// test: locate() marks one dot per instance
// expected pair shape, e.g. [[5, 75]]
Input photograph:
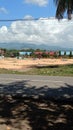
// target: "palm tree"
[[62, 6]]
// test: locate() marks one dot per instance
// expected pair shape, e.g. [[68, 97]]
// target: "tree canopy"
[[62, 7]]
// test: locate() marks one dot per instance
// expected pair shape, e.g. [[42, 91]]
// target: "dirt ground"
[[20, 64]]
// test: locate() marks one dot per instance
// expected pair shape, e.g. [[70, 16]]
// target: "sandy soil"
[[20, 64]]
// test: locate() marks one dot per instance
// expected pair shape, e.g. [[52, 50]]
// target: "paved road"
[[36, 85], [38, 81]]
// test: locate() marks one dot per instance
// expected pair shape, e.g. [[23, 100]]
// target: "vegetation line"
[[59, 70]]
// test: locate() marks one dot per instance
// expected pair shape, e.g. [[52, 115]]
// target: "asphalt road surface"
[[34, 88], [35, 80], [36, 85]]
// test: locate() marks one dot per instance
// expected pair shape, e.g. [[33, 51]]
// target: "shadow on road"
[[32, 108]]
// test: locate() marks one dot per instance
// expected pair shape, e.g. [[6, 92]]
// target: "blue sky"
[[10, 9], [46, 31]]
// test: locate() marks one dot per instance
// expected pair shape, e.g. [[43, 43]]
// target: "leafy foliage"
[[62, 6]]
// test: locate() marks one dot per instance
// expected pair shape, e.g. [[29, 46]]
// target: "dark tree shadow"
[[32, 108]]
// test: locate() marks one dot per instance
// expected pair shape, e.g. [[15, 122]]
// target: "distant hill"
[[33, 46]]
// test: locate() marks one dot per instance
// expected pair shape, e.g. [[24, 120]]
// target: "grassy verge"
[[61, 70], [58, 70]]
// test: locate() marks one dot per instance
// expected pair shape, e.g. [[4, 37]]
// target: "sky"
[[47, 29]]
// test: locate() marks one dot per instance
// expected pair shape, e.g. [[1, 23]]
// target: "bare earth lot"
[[24, 64]]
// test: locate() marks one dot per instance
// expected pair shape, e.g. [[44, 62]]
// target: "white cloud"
[[44, 30], [3, 10], [3, 29], [37, 2]]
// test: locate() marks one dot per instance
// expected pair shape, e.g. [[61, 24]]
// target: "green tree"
[[44, 55], [62, 7], [59, 53], [70, 54], [65, 53]]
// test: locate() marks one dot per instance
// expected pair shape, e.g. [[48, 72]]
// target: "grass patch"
[[6, 71], [61, 70]]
